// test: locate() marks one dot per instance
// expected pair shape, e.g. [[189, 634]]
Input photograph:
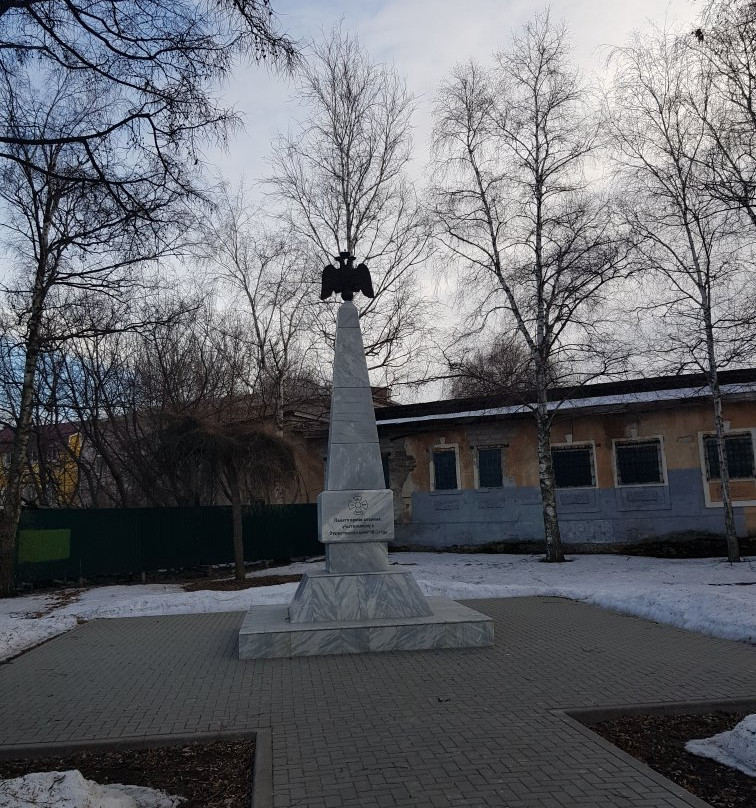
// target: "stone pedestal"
[[356, 603], [323, 596], [267, 633]]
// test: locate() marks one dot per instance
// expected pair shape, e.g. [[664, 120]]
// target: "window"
[[385, 464], [739, 452], [444, 469], [489, 468], [573, 466], [639, 463]]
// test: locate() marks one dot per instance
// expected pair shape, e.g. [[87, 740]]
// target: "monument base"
[[267, 632], [324, 596]]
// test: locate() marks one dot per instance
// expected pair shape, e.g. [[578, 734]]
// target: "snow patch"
[[707, 595], [16, 635], [735, 748], [71, 790]]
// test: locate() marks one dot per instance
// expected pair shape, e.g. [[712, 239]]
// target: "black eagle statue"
[[346, 279]]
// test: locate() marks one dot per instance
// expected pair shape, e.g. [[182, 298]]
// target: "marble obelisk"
[[356, 511], [356, 603]]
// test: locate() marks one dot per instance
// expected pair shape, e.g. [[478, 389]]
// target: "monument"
[[356, 602]]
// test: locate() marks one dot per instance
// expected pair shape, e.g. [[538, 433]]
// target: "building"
[[51, 472], [634, 464]]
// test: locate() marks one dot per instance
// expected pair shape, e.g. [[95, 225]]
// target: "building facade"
[[634, 464]]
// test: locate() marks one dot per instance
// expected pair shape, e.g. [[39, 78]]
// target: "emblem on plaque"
[[358, 505]]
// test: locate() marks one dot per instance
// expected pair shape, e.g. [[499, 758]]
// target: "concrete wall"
[[605, 514]]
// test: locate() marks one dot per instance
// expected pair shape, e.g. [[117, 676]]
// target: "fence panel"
[[72, 543], [280, 532]]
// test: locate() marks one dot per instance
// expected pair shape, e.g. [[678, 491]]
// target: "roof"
[[603, 394], [48, 433]]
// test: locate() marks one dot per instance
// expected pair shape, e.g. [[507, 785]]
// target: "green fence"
[[71, 543]]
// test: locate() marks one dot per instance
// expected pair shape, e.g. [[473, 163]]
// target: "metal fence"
[[71, 543]]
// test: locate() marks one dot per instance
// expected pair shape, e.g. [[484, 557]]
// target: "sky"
[[424, 39]]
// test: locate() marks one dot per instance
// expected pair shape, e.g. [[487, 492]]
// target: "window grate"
[[639, 463], [490, 474], [739, 452], [573, 467], [445, 469]]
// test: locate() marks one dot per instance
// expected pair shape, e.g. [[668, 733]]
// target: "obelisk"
[[356, 603], [356, 510]]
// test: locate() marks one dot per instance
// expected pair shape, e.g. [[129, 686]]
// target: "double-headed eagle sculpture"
[[346, 279]]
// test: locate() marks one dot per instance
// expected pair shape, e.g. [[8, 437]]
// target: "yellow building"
[[634, 463]]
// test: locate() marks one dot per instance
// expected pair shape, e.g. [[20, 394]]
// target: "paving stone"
[[429, 729]]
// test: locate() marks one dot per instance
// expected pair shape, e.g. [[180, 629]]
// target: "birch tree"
[[536, 248], [723, 95], [687, 236], [340, 178], [71, 239], [159, 63]]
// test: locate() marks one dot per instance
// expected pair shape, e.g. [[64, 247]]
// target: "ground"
[[659, 741], [476, 728], [206, 775]]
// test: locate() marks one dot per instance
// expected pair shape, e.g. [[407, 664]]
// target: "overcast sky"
[[424, 39]]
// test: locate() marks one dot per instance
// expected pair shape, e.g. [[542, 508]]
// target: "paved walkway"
[[422, 729]]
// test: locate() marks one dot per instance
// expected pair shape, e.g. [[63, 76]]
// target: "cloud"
[[424, 39]]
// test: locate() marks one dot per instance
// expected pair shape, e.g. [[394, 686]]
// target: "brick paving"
[[431, 729]]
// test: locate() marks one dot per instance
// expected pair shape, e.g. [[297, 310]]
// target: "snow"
[[19, 630], [710, 596], [735, 748], [71, 790]]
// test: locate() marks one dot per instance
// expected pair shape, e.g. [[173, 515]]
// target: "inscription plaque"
[[358, 516]]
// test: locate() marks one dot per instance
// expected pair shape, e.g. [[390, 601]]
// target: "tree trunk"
[[238, 528], [554, 551], [733, 547], [236, 515], [14, 481], [279, 404]]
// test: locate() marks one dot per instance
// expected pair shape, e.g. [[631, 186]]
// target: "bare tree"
[[537, 249], [127, 390], [73, 242], [721, 92], [341, 180], [240, 460], [185, 361], [685, 235], [501, 368], [267, 284], [158, 63]]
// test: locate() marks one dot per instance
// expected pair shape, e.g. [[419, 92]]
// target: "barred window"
[[490, 474], [444, 469], [739, 452], [573, 466], [639, 463]]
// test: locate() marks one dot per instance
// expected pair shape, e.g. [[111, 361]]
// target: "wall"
[[606, 514]]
